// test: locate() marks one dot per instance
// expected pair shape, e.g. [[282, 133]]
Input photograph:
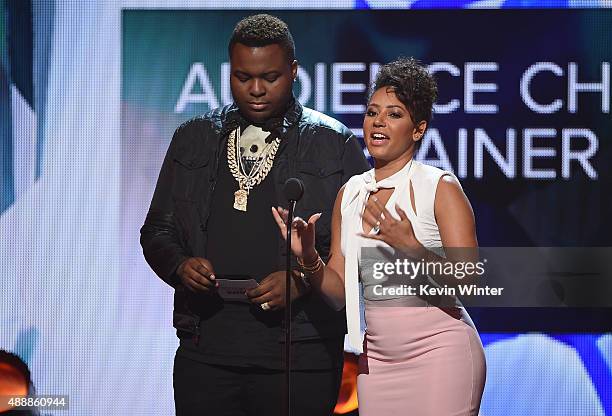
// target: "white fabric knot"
[[371, 187], [356, 199]]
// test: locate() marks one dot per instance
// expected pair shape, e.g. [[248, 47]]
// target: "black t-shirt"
[[244, 245]]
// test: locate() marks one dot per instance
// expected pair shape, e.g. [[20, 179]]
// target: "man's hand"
[[197, 274], [272, 290]]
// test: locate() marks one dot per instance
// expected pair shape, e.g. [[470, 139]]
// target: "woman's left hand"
[[398, 234], [302, 232]]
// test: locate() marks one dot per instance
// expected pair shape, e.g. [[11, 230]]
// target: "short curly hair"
[[413, 85], [263, 30]]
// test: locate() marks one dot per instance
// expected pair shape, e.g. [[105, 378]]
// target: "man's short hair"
[[263, 30]]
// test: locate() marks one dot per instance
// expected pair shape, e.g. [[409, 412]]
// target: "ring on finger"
[[265, 306], [376, 228]]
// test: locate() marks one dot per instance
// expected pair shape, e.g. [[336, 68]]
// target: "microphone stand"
[[288, 313]]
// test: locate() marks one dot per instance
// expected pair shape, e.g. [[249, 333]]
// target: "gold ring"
[[265, 306]]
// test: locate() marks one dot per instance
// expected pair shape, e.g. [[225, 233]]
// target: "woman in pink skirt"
[[416, 358]]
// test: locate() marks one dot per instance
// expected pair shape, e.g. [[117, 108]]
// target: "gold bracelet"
[[308, 266], [309, 273], [312, 268]]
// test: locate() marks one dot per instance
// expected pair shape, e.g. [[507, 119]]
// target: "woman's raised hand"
[[396, 233], [302, 232]]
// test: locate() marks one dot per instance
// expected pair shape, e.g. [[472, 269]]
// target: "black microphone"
[[294, 189]]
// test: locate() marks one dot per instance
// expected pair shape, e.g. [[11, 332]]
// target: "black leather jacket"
[[319, 150]]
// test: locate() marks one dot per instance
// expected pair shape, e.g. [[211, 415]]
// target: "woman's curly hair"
[[413, 85]]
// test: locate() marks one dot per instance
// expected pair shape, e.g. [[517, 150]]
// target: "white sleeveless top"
[[424, 180]]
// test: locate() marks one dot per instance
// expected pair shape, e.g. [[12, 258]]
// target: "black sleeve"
[[354, 162], [353, 159], [160, 236]]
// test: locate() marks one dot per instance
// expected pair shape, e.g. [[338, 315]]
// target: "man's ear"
[[294, 69]]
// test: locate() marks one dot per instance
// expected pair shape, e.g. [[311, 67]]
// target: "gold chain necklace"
[[258, 172]]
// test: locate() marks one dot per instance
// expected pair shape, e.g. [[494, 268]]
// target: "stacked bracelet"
[[313, 267]]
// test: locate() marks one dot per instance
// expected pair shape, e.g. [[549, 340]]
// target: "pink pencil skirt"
[[420, 361]]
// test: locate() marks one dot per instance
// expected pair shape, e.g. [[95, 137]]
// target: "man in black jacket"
[[210, 220]]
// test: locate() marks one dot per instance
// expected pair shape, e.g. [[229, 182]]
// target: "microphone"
[[294, 189]]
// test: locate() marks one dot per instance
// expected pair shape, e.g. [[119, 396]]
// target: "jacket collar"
[[292, 115]]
